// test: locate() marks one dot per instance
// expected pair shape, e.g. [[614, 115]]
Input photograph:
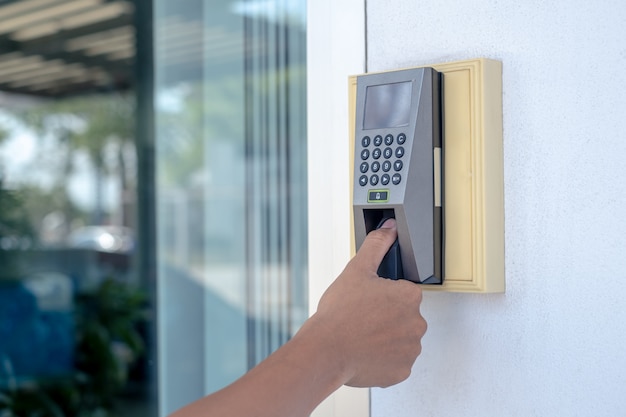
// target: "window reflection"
[[231, 186], [75, 312]]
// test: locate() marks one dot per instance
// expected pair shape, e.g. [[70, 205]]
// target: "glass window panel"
[[75, 309], [231, 186]]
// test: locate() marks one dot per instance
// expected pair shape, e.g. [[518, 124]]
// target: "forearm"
[[290, 383]]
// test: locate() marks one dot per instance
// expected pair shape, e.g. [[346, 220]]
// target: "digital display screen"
[[387, 105]]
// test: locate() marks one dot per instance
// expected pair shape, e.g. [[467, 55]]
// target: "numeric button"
[[374, 179], [375, 166], [376, 153], [388, 153], [388, 140], [378, 140], [365, 154], [365, 141], [364, 167]]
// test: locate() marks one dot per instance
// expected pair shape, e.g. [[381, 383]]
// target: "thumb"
[[376, 244]]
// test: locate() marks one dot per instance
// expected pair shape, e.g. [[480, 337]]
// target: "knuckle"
[[417, 294], [378, 237], [418, 349], [423, 326], [404, 374]]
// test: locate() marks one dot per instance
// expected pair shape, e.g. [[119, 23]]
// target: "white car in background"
[[114, 239]]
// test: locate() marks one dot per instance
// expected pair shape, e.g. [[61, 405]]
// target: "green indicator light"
[[377, 196]]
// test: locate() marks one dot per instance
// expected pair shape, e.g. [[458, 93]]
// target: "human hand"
[[366, 332], [374, 324]]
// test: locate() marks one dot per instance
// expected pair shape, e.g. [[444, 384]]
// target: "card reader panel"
[[398, 169]]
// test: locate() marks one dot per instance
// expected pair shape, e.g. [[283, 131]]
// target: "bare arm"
[[366, 332]]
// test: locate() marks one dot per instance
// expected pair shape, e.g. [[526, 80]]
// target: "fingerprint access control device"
[[398, 169]]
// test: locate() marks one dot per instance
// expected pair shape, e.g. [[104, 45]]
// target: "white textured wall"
[[555, 343]]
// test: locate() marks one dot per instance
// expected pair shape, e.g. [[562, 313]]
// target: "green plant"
[[14, 228], [107, 343]]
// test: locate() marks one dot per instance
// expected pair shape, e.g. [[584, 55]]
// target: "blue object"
[[34, 342]]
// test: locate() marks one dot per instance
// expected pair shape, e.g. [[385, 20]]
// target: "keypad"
[[382, 153]]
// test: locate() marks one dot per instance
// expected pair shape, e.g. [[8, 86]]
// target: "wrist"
[[326, 344]]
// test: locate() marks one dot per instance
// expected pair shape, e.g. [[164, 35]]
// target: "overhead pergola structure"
[[57, 48]]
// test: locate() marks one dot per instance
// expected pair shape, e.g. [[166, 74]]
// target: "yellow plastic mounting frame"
[[473, 175]]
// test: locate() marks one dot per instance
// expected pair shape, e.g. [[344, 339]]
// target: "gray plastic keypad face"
[[397, 129], [381, 164]]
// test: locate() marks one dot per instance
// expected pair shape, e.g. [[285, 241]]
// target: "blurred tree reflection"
[[16, 230], [98, 127]]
